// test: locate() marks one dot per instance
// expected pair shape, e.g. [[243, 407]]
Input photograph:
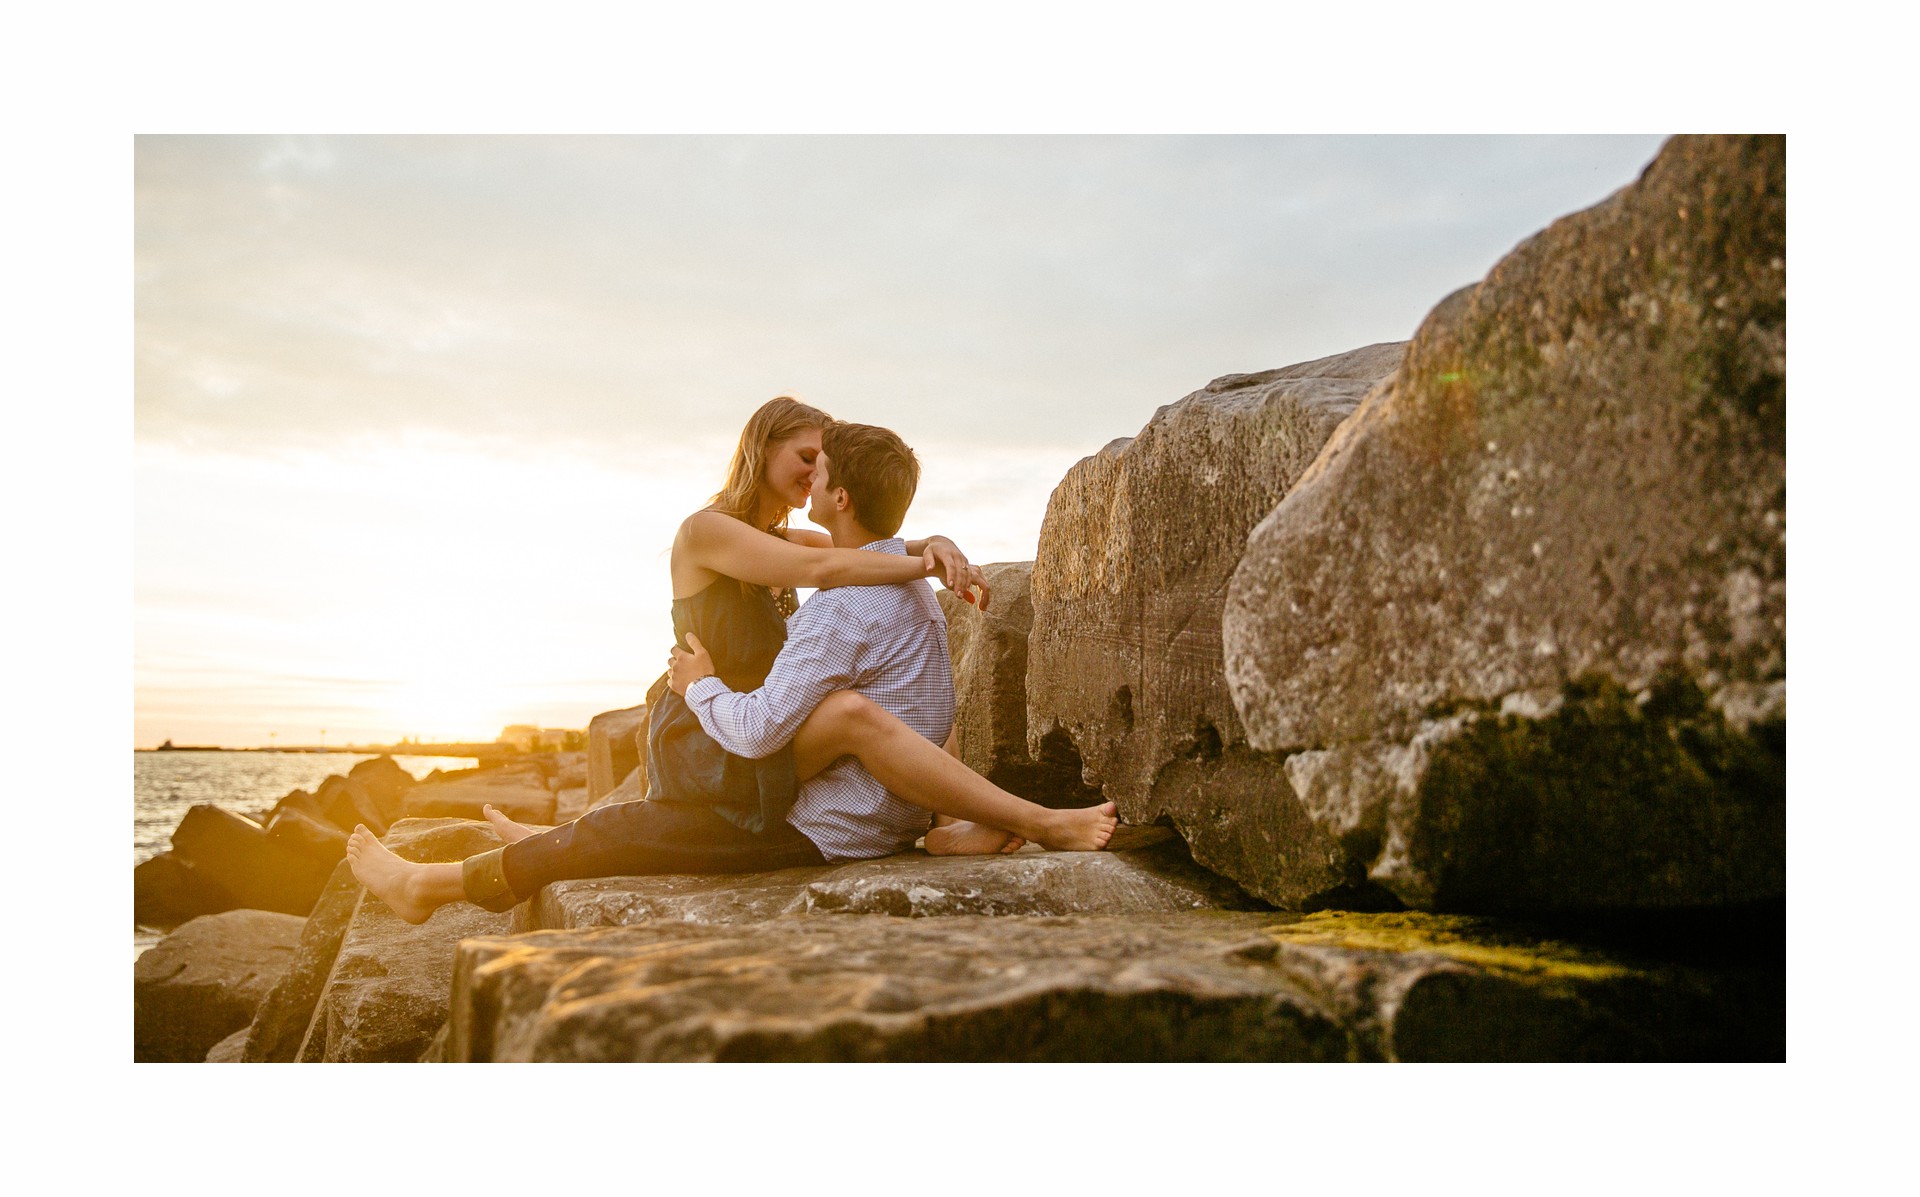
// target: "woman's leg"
[[916, 770], [625, 839], [414, 891]]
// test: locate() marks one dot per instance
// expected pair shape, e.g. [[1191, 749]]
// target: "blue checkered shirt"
[[886, 642]]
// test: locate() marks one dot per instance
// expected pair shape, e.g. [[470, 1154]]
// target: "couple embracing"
[[774, 741]]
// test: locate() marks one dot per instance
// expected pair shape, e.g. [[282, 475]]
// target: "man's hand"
[[685, 668]]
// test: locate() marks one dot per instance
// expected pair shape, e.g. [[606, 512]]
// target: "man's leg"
[[912, 768], [957, 837]]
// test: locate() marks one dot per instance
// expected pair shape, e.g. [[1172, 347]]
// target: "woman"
[[734, 567]]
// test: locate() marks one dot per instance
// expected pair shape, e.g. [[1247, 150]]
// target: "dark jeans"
[[632, 838]]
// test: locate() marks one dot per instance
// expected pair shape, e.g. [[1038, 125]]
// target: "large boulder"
[[280, 1024], [255, 871], [1147, 871], [616, 740], [230, 1050], [1521, 630], [989, 653], [1204, 985], [167, 892], [1125, 655], [387, 783], [519, 793], [632, 788], [306, 833], [569, 803], [202, 983], [345, 802], [385, 995]]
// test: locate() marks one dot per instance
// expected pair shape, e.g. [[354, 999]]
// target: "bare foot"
[[970, 839], [1086, 829], [509, 831], [386, 876]]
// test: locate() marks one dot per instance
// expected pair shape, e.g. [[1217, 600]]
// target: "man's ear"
[[842, 501]]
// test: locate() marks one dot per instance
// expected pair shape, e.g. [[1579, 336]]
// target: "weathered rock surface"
[[616, 740], [1198, 986], [632, 788], [346, 803], [570, 803], [519, 793], [1521, 629], [167, 892], [307, 834], [570, 770], [385, 996], [1125, 657], [387, 783], [1149, 872], [236, 857], [281, 1022], [203, 982], [229, 1050], [989, 653]]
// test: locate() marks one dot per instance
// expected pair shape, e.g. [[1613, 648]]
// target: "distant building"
[[524, 737]]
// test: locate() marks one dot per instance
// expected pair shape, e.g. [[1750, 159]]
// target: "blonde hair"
[[777, 420]]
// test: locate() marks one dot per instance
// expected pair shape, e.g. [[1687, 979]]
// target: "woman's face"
[[789, 470]]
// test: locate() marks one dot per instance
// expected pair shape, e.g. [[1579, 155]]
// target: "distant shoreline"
[[356, 749]]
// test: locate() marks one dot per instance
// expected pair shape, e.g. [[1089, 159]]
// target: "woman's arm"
[[724, 545], [820, 540]]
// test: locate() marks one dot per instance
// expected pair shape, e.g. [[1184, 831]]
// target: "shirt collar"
[[890, 544]]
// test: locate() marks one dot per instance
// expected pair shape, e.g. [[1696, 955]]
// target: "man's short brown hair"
[[877, 470]]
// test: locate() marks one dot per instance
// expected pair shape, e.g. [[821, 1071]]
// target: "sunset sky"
[[415, 418]]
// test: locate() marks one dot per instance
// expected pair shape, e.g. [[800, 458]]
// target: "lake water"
[[166, 784]]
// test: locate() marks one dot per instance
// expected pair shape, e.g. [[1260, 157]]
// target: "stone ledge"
[[1194, 986], [1149, 872]]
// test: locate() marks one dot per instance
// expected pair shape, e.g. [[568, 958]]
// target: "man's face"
[[820, 508]]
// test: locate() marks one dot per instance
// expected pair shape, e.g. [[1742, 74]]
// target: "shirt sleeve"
[[822, 654]]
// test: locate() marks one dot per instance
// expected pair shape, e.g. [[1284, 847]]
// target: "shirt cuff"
[[706, 689]]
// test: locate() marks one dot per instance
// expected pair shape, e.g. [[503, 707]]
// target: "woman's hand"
[[975, 579], [944, 560], [685, 668]]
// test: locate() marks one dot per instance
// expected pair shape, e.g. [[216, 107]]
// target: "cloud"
[[621, 290]]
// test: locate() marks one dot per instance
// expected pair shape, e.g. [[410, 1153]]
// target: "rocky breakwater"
[[1132, 954], [1520, 632], [278, 861], [281, 858], [1125, 657]]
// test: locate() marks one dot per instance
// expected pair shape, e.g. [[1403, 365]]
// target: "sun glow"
[[427, 590]]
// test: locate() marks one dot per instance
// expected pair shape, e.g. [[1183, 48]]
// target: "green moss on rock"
[[1511, 810], [1480, 942]]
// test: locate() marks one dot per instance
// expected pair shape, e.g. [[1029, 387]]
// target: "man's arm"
[[821, 655]]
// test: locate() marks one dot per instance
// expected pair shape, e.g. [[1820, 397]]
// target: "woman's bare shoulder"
[[708, 522]]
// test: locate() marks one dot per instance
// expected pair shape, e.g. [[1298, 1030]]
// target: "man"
[[888, 643], [869, 661]]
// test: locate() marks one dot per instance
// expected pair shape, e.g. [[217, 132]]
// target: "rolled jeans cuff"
[[484, 878]]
